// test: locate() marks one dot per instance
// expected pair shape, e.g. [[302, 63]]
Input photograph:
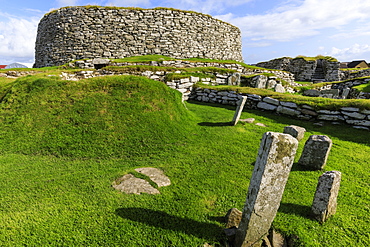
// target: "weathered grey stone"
[[234, 79], [325, 200], [276, 239], [345, 93], [350, 109], [96, 61], [238, 111], [330, 117], [270, 100], [274, 161], [248, 120], [355, 115], [308, 107], [288, 104], [311, 93], [261, 124], [132, 185], [156, 175], [295, 131], [287, 111], [367, 112], [309, 112], [315, 152], [359, 122], [266, 106], [334, 92], [327, 112], [260, 81], [361, 127], [233, 217], [279, 88]]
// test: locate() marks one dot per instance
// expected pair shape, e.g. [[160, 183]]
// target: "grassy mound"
[[100, 117]]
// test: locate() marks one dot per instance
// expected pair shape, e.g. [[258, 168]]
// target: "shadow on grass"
[[295, 209], [298, 167], [215, 124], [166, 221]]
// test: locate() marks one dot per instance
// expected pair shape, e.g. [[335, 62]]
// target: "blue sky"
[[270, 28]]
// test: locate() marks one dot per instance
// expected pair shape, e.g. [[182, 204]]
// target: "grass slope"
[[67, 199], [91, 118]]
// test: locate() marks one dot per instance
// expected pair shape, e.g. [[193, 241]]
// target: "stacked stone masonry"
[[74, 33], [341, 90], [359, 119], [184, 85], [311, 70]]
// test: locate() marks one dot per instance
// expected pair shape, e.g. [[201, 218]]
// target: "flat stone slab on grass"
[[156, 175], [247, 120], [130, 184], [133, 185]]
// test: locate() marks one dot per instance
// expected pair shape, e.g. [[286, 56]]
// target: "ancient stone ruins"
[[274, 161], [275, 158], [89, 32], [325, 201]]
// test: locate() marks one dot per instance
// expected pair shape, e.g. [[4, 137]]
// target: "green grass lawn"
[[64, 143]]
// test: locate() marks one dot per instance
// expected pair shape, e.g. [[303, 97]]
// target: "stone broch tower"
[[73, 33]]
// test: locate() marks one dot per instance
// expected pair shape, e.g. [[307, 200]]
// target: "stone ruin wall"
[[304, 70], [74, 33]]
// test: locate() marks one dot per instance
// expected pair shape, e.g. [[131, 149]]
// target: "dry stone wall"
[[74, 33], [359, 119]]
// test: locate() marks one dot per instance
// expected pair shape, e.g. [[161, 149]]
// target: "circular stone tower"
[[87, 32]]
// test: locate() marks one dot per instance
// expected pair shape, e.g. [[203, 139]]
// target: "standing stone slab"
[[239, 110], [325, 201], [274, 161], [315, 152], [295, 131]]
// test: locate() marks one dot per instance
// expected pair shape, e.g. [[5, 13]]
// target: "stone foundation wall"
[[74, 33], [359, 119]]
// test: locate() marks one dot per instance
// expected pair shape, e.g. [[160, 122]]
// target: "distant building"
[[15, 66], [359, 64], [2, 66]]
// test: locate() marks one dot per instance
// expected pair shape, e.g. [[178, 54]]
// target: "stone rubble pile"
[[341, 90]]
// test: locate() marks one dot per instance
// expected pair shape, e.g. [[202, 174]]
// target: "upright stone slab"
[[239, 110], [295, 131], [325, 201], [315, 152], [274, 161]]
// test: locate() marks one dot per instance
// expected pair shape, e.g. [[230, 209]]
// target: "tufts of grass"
[[363, 88], [328, 58]]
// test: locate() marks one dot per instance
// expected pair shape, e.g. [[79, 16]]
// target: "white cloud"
[[353, 52], [17, 39], [294, 21]]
